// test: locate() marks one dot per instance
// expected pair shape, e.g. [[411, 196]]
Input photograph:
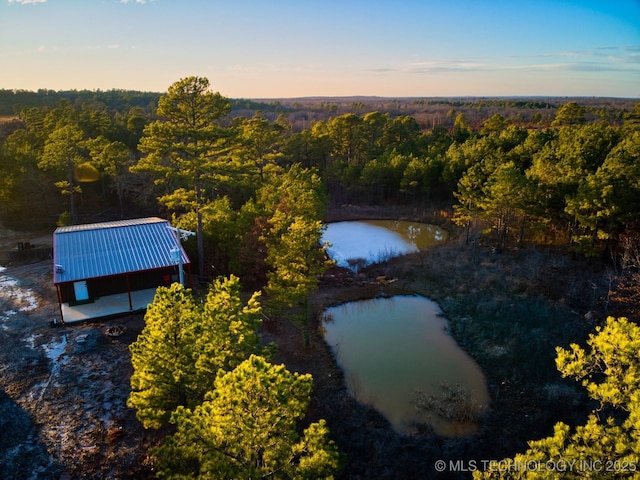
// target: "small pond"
[[375, 241], [398, 357]]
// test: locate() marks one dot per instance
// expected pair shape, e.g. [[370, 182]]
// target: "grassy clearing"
[[509, 311]]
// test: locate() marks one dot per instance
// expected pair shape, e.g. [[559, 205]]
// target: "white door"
[[81, 291]]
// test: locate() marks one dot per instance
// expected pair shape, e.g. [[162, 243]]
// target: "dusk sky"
[[277, 49]]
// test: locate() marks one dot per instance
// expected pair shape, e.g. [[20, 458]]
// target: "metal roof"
[[112, 248]]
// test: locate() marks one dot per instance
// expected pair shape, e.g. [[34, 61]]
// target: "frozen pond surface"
[[396, 351], [378, 240]]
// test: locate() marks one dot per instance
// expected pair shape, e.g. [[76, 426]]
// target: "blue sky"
[[287, 48]]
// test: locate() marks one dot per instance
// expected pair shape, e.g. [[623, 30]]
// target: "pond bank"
[[397, 354], [507, 311], [437, 215]]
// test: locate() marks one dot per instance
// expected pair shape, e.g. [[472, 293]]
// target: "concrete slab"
[[108, 306]]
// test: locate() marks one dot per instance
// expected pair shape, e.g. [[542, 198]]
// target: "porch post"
[[129, 293], [59, 302]]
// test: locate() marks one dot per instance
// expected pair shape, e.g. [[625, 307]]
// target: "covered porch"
[[108, 305]]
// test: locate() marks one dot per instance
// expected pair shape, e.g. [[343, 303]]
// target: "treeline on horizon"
[[513, 171], [301, 112]]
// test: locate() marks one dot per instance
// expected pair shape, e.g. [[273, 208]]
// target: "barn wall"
[[66, 292], [151, 279], [105, 286]]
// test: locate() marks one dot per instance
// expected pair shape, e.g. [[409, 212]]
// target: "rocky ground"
[[63, 389]]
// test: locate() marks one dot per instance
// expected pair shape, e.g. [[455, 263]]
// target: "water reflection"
[[378, 240], [396, 354]]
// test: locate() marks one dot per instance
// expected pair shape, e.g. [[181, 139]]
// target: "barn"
[[113, 268]]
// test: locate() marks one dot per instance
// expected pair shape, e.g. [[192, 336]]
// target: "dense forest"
[[256, 178], [543, 171]]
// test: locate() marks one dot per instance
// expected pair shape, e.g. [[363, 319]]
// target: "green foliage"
[[461, 128], [570, 114], [251, 261], [494, 124], [472, 164], [24, 188], [62, 154], [610, 197], [64, 219], [378, 177], [260, 143], [180, 145], [64, 149], [607, 446], [185, 342], [506, 200], [112, 157], [65, 145], [295, 257], [184, 147], [163, 357], [13, 101], [246, 428], [582, 178], [234, 335], [293, 203], [615, 353], [222, 229], [352, 151], [420, 176]]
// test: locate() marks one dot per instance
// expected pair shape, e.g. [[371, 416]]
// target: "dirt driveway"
[[63, 389]]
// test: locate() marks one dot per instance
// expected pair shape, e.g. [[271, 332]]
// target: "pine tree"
[[183, 148], [185, 342], [246, 428], [608, 445]]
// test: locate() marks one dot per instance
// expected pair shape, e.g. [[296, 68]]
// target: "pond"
[[398, 357], [373, 241]]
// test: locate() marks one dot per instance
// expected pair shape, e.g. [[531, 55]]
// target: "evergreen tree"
[[294, 204], [185, 146], [246, 428], [185, 342], [608, 445], [114, 159], [570, 113], [63, 154], [259, 143]]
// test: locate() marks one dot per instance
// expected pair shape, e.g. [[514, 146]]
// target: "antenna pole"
[[180, 270], [178, 250]]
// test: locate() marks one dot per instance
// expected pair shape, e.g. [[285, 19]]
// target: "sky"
[[297, 48]]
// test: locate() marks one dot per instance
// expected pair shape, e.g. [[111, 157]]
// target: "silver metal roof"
[[112, 248]]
